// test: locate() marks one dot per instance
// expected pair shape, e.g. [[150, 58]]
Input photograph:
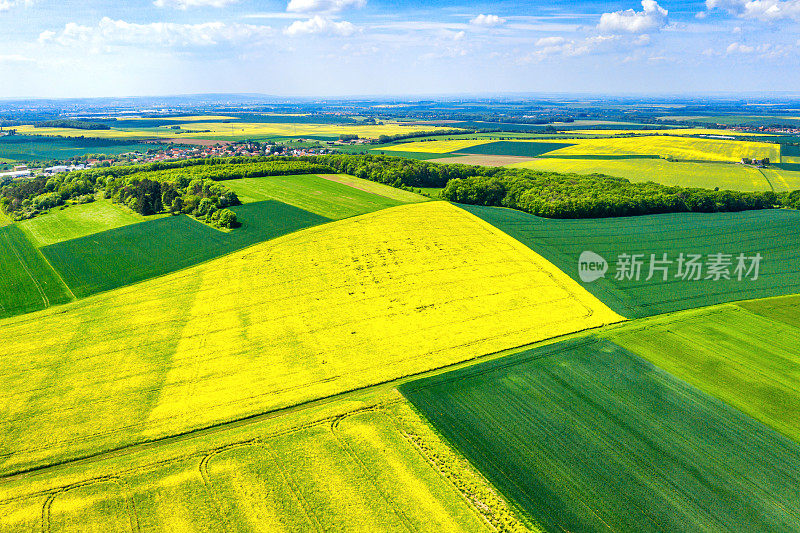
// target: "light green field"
[[318, 195], [707, 175], [78, 221], [364, 463], [375, 188], [747, 355]]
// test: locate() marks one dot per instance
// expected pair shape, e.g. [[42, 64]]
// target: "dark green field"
[[585, 436], [125, 255], [422, 156], [523, 149], [40, 148], [27, 283], [775, 234]]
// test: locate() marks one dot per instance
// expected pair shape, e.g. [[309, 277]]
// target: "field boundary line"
[[57, 273]]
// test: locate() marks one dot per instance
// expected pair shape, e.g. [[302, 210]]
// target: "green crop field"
[[78, 221], [40, 148], [128, 254], [525, 149], [747, 355], [775, 234], [586, 436], [317, 195], [27, 282], [374, 187]]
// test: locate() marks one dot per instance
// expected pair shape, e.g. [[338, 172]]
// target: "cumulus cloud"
[[323, 6], [5, 5], [110, 32], [186, 4], [652, 17], [550, 41], [320, 25], [765, 10], [488, 21]]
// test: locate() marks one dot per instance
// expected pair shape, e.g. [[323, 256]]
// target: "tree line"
[[71, 123]]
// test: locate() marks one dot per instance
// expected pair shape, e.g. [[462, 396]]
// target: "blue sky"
[[365, 47]]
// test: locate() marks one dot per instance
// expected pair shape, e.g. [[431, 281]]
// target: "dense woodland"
[[69, 123], [195, 187]]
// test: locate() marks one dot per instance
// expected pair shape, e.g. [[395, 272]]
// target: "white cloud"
[[458, 36], [652, 17], [186, 4], [550, 41], [320, 25], [5, 5], [765, 10], [739, 48], [323, 6], [487, 20], [110, 32]]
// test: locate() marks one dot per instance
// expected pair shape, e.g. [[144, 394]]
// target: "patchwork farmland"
[[356, 356]]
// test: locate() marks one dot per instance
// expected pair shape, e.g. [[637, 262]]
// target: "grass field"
[[27, 282], [78, 221], [775, 234], [311, 314], [312, 193], [586, 436], [356, 465], [747, 355], [373, 187], [684, 174], [125, 255]]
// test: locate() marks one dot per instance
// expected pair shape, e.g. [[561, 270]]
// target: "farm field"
[[747, 355], [78, 221], [586, 436], [128, 254], [231, 131], [513, 148], [672, 146], [312, 193], [361, 464], [312, 314], [373, 187], [684, 174], [483, 160], [671, 131], [435, 147], [27, 282], [772, 233], [42, 148]]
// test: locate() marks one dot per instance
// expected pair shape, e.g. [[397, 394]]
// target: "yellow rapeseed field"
[[321, 311], [360, 465], [671, 146], [437, 147], [676, 131]]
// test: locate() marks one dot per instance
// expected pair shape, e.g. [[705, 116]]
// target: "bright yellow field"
[[671, 146], [437, 147], [677, 131], [365, 464], [321, 311], [233, 130]]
